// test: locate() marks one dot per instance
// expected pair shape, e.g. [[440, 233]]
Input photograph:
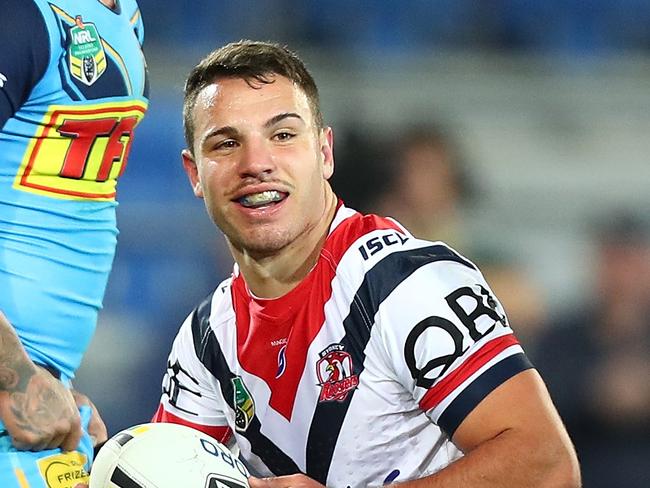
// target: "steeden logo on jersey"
[[334, 370]]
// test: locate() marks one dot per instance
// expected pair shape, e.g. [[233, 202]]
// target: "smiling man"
[[342, 351], [270, 208]]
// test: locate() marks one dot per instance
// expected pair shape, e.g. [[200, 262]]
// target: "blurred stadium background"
[[549, 102]]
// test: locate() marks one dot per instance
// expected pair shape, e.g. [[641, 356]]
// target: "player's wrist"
[[16, 374]]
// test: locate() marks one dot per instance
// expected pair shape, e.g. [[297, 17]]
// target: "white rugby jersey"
[[357, 377]]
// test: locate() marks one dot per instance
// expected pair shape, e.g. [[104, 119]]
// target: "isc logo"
[[374, 245]]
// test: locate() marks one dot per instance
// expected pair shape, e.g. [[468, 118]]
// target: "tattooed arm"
[[38, 412]]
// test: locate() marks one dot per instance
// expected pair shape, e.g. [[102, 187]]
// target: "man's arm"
[[24, 58], [514, 438], [38, 412], [191, 394]]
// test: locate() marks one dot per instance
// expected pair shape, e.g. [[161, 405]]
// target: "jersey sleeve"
[[25, 54], [190, 394], [447, 338]]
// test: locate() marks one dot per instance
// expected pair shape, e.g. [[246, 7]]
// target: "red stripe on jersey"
[[220, 433], [440, 390], [265, 326]]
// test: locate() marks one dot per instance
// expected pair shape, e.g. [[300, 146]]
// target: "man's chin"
[[261, 245]]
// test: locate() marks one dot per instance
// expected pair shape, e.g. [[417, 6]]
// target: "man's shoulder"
[[368, 240], [218, 298], [350, 229]]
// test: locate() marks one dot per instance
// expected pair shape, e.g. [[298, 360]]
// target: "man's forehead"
[[232, 101], [251, 91]]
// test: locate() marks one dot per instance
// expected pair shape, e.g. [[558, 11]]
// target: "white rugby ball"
[[162, 455]]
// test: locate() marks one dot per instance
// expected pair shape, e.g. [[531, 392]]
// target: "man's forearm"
[[15, 366], [508, 461]]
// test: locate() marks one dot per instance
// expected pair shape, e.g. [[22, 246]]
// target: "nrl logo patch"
[[334, 370], [244, 405], [87, 59]]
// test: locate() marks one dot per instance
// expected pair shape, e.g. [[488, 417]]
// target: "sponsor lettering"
[[77, 474], [375, 244], [484, 305], [479, 322], [65, 470], [80, 152]]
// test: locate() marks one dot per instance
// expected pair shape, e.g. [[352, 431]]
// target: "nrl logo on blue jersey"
[[87, 59]]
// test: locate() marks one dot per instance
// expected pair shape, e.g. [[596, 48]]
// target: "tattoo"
[[31, 399], [15, 368], [8, 378], [32, 409], [14, 379]]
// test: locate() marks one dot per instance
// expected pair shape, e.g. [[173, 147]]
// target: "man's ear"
[[327, 152], [192, 172]]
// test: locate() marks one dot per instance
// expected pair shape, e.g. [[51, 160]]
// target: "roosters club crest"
[[335, 374]]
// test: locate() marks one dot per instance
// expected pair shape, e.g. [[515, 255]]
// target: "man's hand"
[[96, 427], [289, 481], [37, 410]]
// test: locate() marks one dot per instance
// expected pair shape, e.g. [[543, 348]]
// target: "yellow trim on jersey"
[[22, 479], [61, 13], [135, 17]]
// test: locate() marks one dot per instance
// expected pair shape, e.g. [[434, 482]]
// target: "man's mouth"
[[256, 200]]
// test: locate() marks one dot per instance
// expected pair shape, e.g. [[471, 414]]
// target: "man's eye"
[[227, 144], [283, 136]]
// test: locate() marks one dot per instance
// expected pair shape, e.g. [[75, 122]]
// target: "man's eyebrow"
[[277, 118], [225, 130], [231, 131]]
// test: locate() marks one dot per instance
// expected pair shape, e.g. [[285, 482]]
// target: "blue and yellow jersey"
[[73, 87]]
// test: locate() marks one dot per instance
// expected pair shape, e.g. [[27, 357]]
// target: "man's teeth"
[[262, 198]]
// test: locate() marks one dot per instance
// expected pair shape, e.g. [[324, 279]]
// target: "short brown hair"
[[249, 60]]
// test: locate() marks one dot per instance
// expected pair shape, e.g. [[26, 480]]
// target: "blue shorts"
[[46, 469]]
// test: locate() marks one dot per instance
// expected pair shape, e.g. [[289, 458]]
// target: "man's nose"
[[256, 158]]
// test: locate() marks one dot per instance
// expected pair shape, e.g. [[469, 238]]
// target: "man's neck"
[[274, 276], [109, 3]]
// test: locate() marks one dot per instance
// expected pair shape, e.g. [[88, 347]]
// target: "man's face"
[[260, 163]]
